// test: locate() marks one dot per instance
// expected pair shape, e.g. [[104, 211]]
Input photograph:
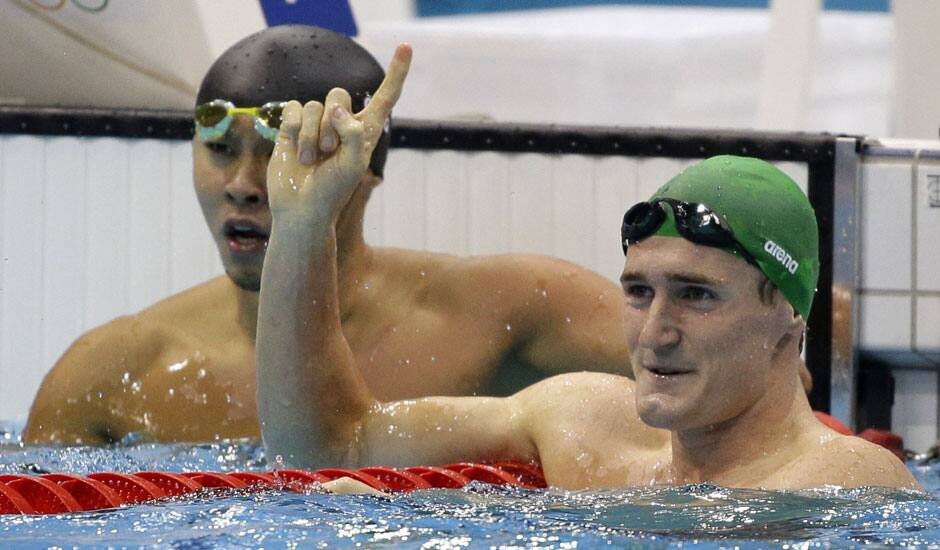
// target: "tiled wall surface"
[[94, 228], [900, 280]]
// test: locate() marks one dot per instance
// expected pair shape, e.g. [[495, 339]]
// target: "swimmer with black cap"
[[184, 369], [719, 276]]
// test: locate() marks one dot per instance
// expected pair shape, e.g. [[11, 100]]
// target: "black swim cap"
[[295, 62]]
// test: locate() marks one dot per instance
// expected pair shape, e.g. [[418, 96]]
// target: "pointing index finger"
[[380, 107]]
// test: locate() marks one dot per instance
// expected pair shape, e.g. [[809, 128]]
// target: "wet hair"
[[299, 62]]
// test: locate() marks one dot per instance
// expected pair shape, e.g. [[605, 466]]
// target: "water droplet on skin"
[[126, 378], [567, 319], [584, 459], [508, 327]]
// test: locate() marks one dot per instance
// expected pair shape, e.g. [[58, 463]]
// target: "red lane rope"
[[65, 493]]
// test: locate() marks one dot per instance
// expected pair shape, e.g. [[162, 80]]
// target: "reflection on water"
[[479, 516]]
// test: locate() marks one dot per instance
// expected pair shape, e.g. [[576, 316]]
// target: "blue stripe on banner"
[[335, 15], [431, 8]]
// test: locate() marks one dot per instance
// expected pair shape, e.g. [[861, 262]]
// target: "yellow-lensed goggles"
[[214, 118]]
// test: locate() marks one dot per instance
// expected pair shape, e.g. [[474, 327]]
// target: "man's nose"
[[660, 328], [248, 186]]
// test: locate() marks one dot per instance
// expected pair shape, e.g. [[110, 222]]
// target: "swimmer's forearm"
[[311, 397]]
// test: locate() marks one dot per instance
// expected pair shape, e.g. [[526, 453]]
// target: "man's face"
[[230, 179], [702, 342]]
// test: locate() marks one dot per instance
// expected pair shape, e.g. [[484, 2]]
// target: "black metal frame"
[[815, 149]]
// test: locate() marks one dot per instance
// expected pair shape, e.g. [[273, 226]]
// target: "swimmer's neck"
[[752, 445]]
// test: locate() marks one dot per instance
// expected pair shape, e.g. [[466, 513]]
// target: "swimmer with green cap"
[[745, 206], [720, 269]]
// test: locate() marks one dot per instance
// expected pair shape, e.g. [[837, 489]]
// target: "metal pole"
[[845, 269]]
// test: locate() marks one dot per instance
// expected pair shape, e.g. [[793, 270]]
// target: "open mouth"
[[245, 236], [665, 371]]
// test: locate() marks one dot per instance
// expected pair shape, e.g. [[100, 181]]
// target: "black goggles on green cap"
[[694, 221]]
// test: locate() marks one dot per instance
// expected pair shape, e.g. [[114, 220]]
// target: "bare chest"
[[193, 393]]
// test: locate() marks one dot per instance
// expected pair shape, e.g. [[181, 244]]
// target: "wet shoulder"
[[604, 402], [515, 279], [65, 407], [521, 268], [588, 434], [132, 342], [576, 385], [850, 461], [118, 345], [199, 304]]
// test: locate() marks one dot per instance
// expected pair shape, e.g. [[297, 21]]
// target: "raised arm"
[[314, 406]]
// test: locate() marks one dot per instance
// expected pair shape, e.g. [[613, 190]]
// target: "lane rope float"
[[66, 493]]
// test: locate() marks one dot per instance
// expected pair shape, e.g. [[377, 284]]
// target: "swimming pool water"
[[479, 516]]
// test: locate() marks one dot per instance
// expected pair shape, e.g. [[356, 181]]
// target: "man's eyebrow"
[[631, 276], [693, 278], [687, 278]]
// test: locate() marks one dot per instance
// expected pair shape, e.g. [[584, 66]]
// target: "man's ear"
[[794, 328], [798, 326], [797, 323]]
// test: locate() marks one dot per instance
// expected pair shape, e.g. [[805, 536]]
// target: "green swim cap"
[[769, 214]]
